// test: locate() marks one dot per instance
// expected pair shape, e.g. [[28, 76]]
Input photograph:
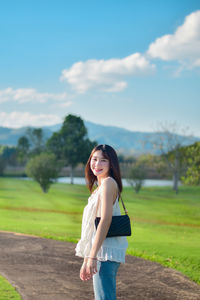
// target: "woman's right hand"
[[88, 269], [83, 271]]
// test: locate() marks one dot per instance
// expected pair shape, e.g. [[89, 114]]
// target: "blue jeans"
[[104, 281]]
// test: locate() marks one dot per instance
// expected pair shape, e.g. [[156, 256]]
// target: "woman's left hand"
[[91, 268]]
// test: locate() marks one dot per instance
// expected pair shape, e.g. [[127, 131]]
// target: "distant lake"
[[147, 182], [81, 180]]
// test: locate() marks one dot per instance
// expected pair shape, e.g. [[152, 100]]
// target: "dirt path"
[[43, 269]]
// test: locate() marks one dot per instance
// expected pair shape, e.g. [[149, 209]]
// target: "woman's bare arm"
[[108, 196]]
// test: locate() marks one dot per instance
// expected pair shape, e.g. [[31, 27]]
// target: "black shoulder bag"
[[120, 225]]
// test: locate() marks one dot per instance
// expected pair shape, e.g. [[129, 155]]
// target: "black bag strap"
[[126, 212], [120, 197]]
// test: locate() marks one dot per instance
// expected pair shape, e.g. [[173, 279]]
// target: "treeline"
[[67, 151]]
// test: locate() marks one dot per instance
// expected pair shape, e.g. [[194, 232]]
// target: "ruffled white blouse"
[[113, 248]]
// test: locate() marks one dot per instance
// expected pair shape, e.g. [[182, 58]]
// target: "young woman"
[[102, 256]]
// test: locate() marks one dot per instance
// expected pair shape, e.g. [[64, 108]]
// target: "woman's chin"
[[97, 174]]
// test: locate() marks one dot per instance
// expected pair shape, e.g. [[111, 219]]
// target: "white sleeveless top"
[[113, 248]]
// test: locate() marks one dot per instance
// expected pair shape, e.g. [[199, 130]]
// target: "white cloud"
[[183, 45], [106, 75], [19, 119], [24, 95], [64, 104]]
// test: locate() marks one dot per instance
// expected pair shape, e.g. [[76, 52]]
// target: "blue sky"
[[131, 64]]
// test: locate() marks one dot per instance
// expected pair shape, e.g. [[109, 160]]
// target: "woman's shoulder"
[[109, 182]]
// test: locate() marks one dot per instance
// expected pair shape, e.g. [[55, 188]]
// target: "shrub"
[[136, 177], [44, 169]]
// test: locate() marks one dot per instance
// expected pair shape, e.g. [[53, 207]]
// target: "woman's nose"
[[98, 163]]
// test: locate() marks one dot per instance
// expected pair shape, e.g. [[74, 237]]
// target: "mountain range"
[[123, 140]]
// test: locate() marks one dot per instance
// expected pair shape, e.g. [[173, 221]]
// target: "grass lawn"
[[166, 226], [7, 292]]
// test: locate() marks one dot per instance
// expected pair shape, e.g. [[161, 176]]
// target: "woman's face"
[[99, 165]]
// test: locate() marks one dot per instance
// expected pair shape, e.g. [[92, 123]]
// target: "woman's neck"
[[100, 179]]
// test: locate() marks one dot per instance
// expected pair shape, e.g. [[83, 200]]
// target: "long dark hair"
[[114, 172]]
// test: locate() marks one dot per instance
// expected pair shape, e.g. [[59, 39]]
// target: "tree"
[[7, 157], [169, 144], [2, 165], [71, 144], [44, 169], [36, 140], [31, 144], [155, 166], [136, 177], [23, 147], [192, 176], [126, 159]]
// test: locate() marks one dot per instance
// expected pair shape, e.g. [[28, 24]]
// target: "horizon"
[[132, 131], [130, 65]]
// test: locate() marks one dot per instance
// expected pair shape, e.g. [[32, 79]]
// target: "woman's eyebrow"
[[101, 157]]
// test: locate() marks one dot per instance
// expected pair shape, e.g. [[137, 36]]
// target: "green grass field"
[[166, 226], [7, 292]]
